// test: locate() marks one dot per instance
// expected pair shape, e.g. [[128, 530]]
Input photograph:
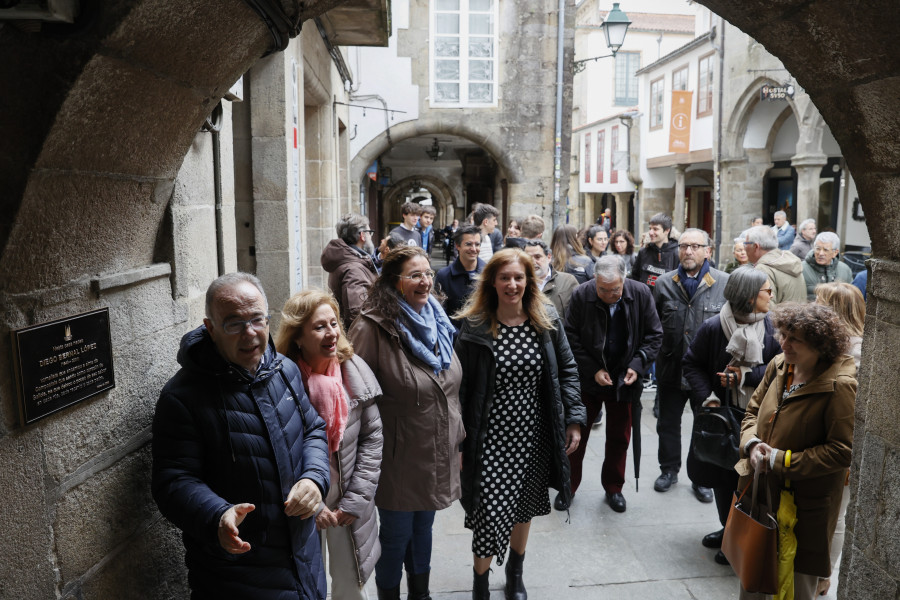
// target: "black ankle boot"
[[391, 594], [480, 589], [515, 587], [418, 586]]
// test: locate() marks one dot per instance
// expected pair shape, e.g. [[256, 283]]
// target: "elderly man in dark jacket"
[[685, 298], [350, 266], [240, 459], [614, 334]]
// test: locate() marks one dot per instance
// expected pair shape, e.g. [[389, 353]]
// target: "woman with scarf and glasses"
[[406, 338], [343, 390], [730, 350]]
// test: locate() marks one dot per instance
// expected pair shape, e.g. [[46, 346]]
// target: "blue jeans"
[[405, 539]]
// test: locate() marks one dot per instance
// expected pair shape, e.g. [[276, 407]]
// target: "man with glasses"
[[240, 459], [685, 298], [785, 271], [350, 266], [457, 280], [822, 265], [615, 334]]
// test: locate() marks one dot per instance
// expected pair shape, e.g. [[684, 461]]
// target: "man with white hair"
[[784, 231], [785, 270], [822, 265], [804, 241], [615, 335]]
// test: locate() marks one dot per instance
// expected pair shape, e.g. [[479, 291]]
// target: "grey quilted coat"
[[356, 465]]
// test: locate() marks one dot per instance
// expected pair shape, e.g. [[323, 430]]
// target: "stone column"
[[278, 176], [678, 213], [809, 169], [622, 201]]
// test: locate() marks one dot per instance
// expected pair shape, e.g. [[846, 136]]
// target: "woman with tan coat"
[[407, 339], [343, 391], [799, 430]]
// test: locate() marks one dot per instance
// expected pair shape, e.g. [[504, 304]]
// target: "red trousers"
[[618, 436]]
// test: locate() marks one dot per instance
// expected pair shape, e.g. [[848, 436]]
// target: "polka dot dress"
[[515, 462]]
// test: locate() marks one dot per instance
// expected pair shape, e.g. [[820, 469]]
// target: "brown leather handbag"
[[750, 542]]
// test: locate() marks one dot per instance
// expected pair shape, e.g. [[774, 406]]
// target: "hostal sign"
[[62, 362]]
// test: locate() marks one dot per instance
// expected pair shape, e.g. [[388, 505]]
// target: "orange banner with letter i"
[[680, 127]]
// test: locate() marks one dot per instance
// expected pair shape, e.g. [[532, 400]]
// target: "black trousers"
[[668, 426]]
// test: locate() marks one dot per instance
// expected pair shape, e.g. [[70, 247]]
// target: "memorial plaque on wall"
[[62, 362]]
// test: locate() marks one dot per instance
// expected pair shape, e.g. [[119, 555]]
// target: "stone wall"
[[519, 133]]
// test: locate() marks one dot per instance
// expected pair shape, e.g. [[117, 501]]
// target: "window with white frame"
[[680, 79], [464, 52], [657, 91], [705, 85], [626, 84]]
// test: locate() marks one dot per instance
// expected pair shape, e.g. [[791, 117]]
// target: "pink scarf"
[[326, 394]]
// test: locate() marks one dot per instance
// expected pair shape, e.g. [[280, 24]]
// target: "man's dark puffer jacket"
[[222, 436]]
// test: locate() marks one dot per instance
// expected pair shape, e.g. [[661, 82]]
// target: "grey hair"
[[780, 213], [229, 280], [742, 288], [762, 236], [695, 230], [609, 267], [805, 223], [828, 237], [349, 226]]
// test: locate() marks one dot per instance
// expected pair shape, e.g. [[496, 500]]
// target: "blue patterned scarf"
[[426, 330]]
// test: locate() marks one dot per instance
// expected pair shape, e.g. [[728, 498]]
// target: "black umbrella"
[[636, 409]]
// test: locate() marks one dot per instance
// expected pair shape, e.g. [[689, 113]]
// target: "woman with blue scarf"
[[406, 339]]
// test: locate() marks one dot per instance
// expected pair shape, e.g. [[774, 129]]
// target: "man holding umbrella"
[[615, 335]]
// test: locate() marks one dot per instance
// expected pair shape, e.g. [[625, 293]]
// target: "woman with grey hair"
[[730, 351], [822, 265]]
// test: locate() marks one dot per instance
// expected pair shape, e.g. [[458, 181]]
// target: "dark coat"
[[559, 393], [453, 281], [222, 436], [706, 357], [586, 329], [652, 261], [681, 317]]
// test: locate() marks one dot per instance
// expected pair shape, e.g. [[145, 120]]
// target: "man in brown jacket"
[[350, 266]]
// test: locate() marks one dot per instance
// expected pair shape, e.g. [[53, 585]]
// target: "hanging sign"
[[776, 92], [680, 126]]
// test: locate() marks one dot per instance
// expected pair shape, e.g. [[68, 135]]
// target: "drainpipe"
[[717, 199], [557, 153], [213, 125]]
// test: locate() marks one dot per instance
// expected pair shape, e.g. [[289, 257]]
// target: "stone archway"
[[851, 78], [510, 168], [441, 193]]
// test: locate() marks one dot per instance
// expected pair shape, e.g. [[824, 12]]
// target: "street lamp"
[[614, 27]]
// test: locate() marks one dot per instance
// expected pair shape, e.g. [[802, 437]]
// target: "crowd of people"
[[402, 390]]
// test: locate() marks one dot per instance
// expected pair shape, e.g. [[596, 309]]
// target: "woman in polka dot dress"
[[521, 409]]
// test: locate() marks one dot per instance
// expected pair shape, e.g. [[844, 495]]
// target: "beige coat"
[[816, 424], [421, 417], [785, 272]]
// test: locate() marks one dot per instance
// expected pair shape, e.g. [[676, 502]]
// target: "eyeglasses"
[[235, 327], [614, 290], [693, 247], [767, 290], [367, 231], [417, 277]]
